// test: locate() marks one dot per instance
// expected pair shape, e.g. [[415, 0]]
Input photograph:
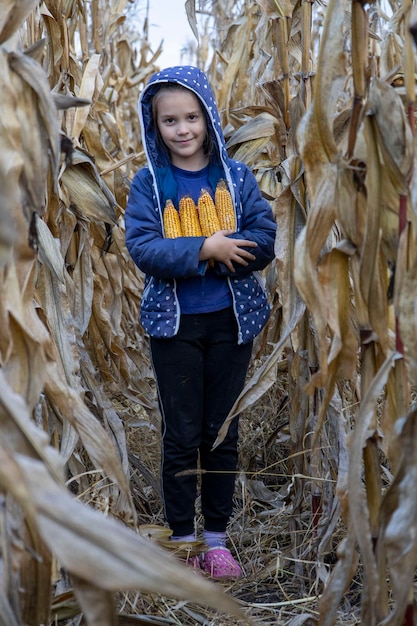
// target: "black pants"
[[200, 373]]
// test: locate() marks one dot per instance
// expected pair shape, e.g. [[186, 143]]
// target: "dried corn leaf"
[[58, 41], [11, 551], [351, 206], [250, 152], [32, 75], [24, 365], [359, 508], [124, 56], [339, 581], [391, 50], [342, 351], [110, 282], [49, 250], [399, 518], [21, 436], [191, 17], [63, 101], [64, 606], [297, 109], [82, 283], [107, 340], [38, 139], [373, 275], [34, 575], [276, 8], [24, 347], [263, 125], [12, 14], [97, 605], [111, 127], [308, 248], [11, 159], [7, 235], [269, 184], [87, 89], [321, 218], [68, 405], [11, 476], [291, 218], [52, 296], [88, 192], [235, 72], [97, 143], [117, 16], [155, 532], [8, 616], [112, 424], [263, 378], [395, 138], [406, 299]]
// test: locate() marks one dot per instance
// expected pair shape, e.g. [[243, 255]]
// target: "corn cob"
[[190, 224], [207, 214], [172, 225], [224, 207]]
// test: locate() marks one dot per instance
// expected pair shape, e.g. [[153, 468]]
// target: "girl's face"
[[183, 128]]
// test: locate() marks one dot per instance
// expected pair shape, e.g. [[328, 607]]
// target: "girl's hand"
[[228, 251]]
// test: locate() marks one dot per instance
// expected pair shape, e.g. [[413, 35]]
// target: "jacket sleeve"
[[152, 253], [258, 224]]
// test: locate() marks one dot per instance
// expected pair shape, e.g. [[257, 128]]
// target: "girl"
[[202, 304]]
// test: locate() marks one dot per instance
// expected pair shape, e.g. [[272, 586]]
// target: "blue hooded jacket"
[[165, 260]]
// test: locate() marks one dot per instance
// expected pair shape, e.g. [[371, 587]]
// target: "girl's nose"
[[182, 128]]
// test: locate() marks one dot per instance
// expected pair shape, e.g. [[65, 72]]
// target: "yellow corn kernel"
[[207, 214], [189, 218], [224, 207], [172, 224]]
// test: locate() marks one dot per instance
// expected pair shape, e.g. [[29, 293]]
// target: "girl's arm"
[[222, 248], [152, 253], [258, 226], [235, 253]]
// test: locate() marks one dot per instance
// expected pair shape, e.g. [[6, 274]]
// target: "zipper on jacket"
[[239, 328]]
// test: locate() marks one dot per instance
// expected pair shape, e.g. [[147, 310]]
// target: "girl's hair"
[[208, 144]]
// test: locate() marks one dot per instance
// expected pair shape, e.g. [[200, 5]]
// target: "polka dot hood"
[[194, 79]]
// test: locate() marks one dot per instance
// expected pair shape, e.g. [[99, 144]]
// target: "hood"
[[194, 79]]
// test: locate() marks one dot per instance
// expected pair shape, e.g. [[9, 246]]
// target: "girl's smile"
[[183, 128]]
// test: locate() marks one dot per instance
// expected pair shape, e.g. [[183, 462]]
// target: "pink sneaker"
[[219, 563], [193, 562]]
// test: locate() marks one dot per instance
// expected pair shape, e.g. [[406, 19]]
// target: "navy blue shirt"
[[199, 294]]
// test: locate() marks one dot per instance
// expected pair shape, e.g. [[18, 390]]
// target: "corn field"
[[318, 98]]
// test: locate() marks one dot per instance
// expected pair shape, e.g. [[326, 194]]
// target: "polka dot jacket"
[[163, 260]]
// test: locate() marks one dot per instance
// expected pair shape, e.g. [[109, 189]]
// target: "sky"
[[168, 21]]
